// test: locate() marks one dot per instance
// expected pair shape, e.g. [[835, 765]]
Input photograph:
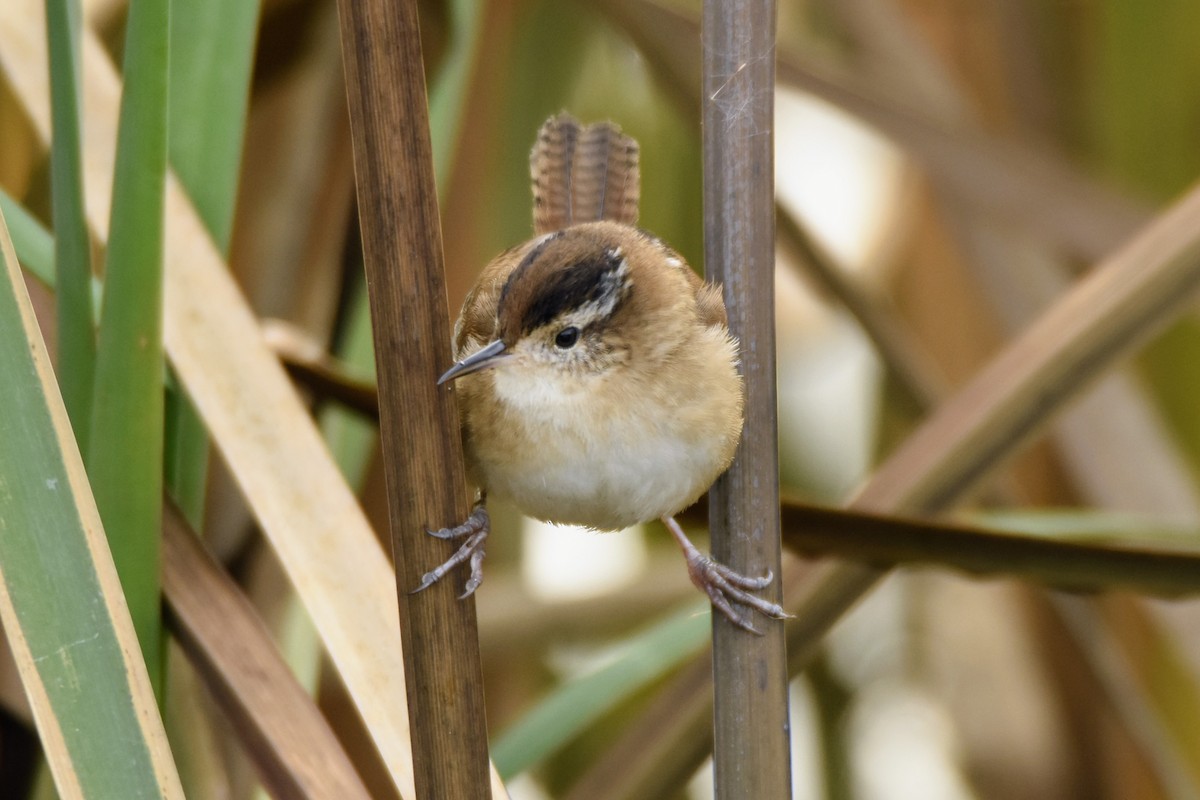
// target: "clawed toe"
[[738, 579], [725, 586], [475, 528], [476, 573], [429, 579], [476, 522]]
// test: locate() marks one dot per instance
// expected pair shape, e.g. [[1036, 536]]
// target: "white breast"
[[608, 452]]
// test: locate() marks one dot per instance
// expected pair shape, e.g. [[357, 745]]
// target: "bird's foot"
[[475, 529], [723, 585]]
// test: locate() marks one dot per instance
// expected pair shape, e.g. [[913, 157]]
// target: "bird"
[[597, 379]]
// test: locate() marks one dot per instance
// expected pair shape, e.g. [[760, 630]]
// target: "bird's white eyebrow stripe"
[[615, 285]]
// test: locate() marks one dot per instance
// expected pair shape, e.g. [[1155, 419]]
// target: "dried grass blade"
[[285, 736]]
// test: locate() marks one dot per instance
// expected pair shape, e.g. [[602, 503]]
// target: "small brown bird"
[[597, 377]]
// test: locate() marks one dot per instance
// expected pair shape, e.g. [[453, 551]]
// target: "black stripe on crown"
[[596, 284]]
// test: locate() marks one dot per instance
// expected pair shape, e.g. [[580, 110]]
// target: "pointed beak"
[[481, 359]]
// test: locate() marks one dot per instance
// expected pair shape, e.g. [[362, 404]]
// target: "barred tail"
[[583, 174]]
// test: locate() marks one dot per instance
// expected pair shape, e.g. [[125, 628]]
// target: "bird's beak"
[[481, 359]]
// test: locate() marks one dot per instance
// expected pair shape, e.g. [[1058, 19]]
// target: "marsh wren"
[[597, 378]]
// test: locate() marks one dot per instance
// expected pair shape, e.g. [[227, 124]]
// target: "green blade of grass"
[[60, 601], [76, 326], [125, 458], [351, 438], [35, 248], [185, 453], [33, 243], [568, 710], [450, 87], [212, 55]]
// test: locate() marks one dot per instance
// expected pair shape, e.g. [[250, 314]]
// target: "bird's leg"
[[723, 585], [475, 529]]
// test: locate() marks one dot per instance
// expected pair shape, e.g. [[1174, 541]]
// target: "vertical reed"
[[401, 231], [751, 752]]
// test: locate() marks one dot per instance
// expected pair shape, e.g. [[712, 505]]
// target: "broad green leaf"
[[60, 601]]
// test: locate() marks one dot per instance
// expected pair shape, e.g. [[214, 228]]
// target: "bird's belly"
[[605, 476]]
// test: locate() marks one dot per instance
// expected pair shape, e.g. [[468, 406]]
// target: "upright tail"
[[583, 174]]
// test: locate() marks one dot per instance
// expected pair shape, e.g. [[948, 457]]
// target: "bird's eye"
[[567, 338]]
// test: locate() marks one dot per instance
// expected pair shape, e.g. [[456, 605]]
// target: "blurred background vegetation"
[[938, 686]]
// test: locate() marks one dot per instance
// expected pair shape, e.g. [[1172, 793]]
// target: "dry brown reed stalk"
[[752, 755], [402, 249]]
